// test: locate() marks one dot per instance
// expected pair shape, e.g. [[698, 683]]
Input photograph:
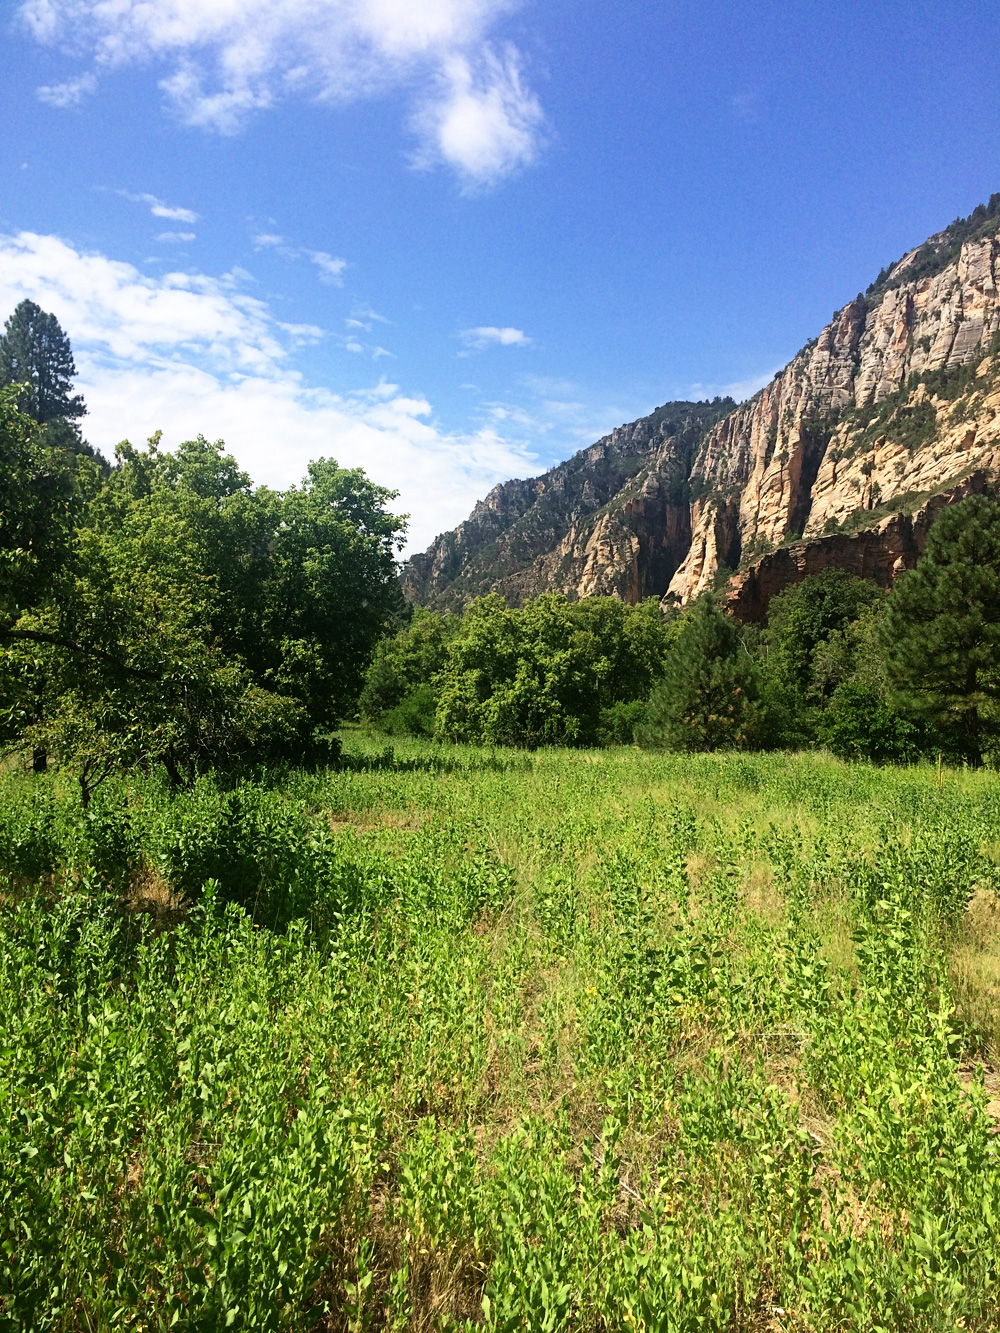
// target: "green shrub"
[[414, 714], [859, 724]]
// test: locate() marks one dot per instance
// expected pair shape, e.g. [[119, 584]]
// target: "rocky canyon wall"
[[843, 459]]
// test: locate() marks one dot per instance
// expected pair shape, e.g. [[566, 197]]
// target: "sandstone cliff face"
[[842, 459], [613, 519]]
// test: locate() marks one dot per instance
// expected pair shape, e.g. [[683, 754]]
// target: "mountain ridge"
[[894, 406]]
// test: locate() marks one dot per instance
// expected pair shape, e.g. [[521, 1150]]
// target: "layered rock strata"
[[893, 411], [614, 519]]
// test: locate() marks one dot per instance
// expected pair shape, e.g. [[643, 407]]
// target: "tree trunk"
[[173, 772]]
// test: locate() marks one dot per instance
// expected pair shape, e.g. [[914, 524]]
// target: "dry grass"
[[974, 973], [149, 894], [833, 920], [762, 896]]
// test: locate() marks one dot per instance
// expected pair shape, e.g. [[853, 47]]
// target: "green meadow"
[[447, 1038]]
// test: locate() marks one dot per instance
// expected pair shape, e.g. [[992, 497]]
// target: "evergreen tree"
[[35, 351], [709, 696], [941, 630]]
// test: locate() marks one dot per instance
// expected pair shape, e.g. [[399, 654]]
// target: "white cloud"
[[303, 335], [331, 269], [70, 93], [229, 59], [159, 209], [482, 120], [187, 353], [176, 237], [490, 336], [364, 318]]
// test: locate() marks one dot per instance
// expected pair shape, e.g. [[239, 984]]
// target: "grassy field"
[[454, 1038]]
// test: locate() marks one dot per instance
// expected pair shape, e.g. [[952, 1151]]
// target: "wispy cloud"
[[227, 61], [481, 120], [176, 237], [70, 93], [560, 415], [746, 106], [362, 317], [477, 340], [331, 269], [738, 389], [159, 209], [187, 352]]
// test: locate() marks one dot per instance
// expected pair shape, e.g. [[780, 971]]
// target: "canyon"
[[843, 459]]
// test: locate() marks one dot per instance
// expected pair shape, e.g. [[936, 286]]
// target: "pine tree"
[[35, 351], [941, 630], [709, 696]]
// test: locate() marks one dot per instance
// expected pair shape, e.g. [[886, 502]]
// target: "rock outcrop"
[[843, 459], [615, 519]]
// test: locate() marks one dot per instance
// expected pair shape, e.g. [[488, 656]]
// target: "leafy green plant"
[[566, 1040]]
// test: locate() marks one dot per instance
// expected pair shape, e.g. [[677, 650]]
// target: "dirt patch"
[[967, 1076]]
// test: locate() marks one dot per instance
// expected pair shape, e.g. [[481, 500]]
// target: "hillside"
[[614, 518], [843, 459]]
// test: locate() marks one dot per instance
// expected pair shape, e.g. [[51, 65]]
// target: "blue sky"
[[454, 241]]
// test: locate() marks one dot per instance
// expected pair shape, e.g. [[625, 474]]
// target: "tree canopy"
[[34, 351], [801, 621], [941, 631], [167, 611], [709, 694], [549, 673]]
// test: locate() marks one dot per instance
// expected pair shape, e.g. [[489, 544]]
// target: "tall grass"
[[452, 1038]]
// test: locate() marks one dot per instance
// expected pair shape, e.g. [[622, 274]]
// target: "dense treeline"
[[884, 676], [552, 672], [165, 610]]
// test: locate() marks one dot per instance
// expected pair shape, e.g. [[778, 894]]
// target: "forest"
[[570, 966]]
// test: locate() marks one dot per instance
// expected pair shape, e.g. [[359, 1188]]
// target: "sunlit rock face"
[[614, 519], [843, 459]]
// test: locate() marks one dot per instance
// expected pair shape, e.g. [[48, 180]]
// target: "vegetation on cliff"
[[940, 251], [497, 549]]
